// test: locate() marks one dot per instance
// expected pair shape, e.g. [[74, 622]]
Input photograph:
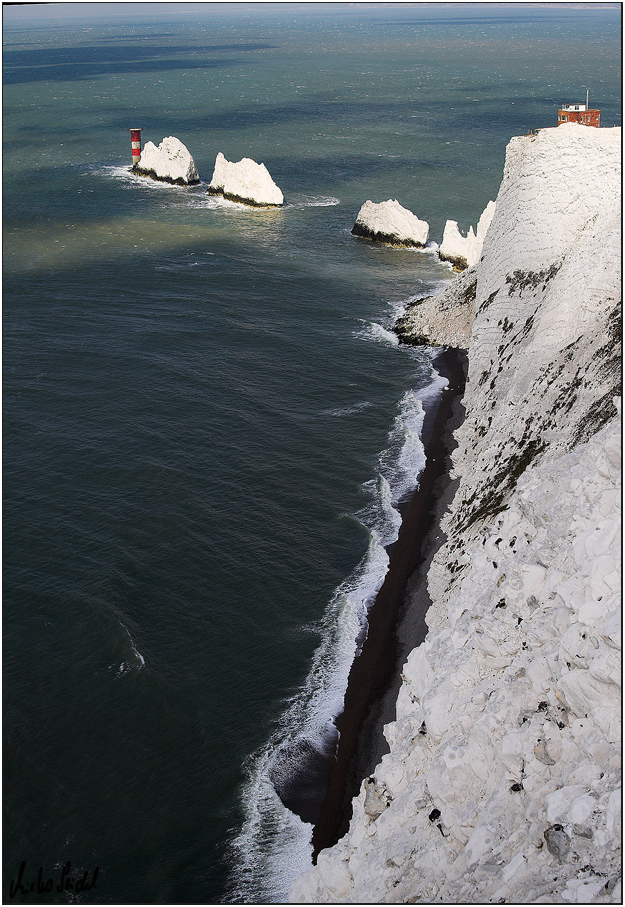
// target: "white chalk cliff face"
[[464, 251], [170, 162], [388, 222], [503, 779], [244, 181]]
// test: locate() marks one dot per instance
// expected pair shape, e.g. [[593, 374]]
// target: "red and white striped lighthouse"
[[135, 141]]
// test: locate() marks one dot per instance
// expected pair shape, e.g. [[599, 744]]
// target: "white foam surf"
[[437, 384], [273, 845], [374, 331], [311, 201], [124, 174], [218, 201], [404, 459], [347, 410]]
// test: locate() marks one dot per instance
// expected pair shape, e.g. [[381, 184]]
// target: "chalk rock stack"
[[170, 162], [503, 779], [464, 251], [244, 181], [388, 222]]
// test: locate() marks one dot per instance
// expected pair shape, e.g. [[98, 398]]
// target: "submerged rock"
[[464, 251], [169, 163], [244, 181], [388, 222]]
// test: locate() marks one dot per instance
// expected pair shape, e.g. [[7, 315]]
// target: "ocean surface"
[[207, 424]]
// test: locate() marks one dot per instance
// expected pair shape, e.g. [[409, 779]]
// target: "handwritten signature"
[[66, 882]]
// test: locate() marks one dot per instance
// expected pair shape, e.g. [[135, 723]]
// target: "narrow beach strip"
[[374, 668]]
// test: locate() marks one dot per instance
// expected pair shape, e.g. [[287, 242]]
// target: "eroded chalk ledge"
[[151, 174]]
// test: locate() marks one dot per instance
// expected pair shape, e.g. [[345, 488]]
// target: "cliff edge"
[[503, 779]]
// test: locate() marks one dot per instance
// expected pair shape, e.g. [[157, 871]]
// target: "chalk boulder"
[[464, 251], [170, 162], [388, 222], [245, 181]]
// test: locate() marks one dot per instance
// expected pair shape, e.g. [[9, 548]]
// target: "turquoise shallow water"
[[206, 421]]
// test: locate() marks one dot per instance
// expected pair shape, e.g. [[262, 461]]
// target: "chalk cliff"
[[503, 779], [391, 223], [464, 251], [170, 162], [244, 181]]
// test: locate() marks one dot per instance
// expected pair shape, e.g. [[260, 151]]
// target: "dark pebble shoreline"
[[396, 620]]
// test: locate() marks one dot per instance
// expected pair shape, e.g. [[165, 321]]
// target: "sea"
[[209, 425]]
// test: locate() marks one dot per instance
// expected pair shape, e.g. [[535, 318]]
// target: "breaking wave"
[[274, 846]]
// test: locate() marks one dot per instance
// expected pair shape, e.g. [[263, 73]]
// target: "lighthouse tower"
[[135, 141]]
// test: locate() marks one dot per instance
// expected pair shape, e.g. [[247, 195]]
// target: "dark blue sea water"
[[207, 424]]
